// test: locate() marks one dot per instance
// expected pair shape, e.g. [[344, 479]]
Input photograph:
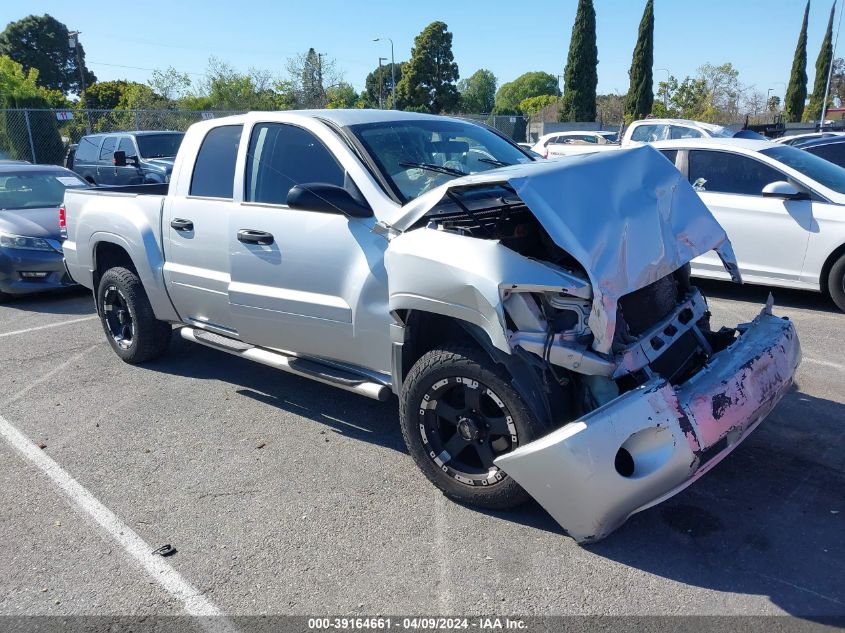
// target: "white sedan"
[[782, 208], [567, 143]]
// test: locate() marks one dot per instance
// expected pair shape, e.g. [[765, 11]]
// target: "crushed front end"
[[580, 271], [649, 443]]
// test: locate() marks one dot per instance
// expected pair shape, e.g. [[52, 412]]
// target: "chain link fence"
[[44, 136]]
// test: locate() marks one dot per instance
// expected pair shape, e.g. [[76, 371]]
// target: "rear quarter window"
[[214, 170]]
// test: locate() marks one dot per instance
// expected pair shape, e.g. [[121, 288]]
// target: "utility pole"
[[321, 91], [392, 70], [830, 70], [73, 42]]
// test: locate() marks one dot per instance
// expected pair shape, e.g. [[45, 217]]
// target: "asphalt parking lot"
[[285, 496]]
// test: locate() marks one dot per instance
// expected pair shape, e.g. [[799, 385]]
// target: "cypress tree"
[[796, 91], [640, 97], [814, 108], [581, 74]]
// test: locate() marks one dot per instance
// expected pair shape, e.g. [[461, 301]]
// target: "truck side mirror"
[[326, 198], [119, 158]]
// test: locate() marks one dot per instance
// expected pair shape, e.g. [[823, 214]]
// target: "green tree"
[[532, 106], [478, 92], [428, 83], [530, 84], [343, 95], [169, 83], [41, 43], [814, 108], [19, 89], [796, 91], [640, 97], [105, 95], [376, 84], [610, 109], [581, 74]]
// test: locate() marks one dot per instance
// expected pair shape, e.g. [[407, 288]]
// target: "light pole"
[[73, 42], [666, 92], [380, 83], [392, 69]]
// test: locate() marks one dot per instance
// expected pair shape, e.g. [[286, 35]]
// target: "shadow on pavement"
[[784, 297], [76, 300], [343, 412]]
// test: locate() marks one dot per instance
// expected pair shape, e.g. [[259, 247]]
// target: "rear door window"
[[281, 156], [107, 150], [723, 172], [648, 133], [214, 170], [88, 149]]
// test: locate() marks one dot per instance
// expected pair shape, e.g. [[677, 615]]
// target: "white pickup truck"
[[535, 319]]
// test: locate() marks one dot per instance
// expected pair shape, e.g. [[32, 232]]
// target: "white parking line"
[[194, 602], [49, 325], [824, 363]]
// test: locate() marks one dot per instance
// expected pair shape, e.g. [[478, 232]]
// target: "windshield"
[[416, 156], [159, 145], [35, 190], [823, 172]]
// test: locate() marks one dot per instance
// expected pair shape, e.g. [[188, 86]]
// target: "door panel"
[[319, 290], [769, 235], [197, 260]]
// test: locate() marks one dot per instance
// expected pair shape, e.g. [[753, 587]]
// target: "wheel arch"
[[109, 251], [424, 330]]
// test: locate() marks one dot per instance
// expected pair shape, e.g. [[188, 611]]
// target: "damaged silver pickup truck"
[[536, 320]]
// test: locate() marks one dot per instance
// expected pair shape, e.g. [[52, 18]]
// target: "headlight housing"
[[21, 242]]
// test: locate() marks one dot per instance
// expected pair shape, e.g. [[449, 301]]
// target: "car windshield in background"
[[159, 145], [822, 171], [35, 189], [417, 156]]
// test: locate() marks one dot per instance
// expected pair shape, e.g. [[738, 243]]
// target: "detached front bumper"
[[652, 442]]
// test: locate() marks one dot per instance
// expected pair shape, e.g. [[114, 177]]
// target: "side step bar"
[[291, 364]]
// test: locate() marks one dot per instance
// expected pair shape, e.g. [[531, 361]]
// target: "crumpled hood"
[[42, 223], [628, 217]]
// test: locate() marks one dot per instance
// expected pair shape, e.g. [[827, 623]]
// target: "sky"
[[126, 40]]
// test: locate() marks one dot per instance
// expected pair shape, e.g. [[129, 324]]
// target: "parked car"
[[652, 130], [126, 158], [831, 148], [796, 139], [30, 250], [549, 144], [535, 319], [783, 208]]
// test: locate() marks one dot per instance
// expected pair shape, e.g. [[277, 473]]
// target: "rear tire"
[[454, 430], [836, 283], [128, 319]]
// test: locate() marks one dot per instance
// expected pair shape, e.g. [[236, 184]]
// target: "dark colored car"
[[30, 248], [126, 158], [831, 148]]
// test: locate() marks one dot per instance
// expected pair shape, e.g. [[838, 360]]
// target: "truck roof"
[[135, 132], [341, 117]]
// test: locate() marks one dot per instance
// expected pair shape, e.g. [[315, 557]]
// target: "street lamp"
[[666, 92], [380, 83], [392, 69]]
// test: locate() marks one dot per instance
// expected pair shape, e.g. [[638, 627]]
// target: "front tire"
[[128, 319], [836, 283], [459, 412]]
